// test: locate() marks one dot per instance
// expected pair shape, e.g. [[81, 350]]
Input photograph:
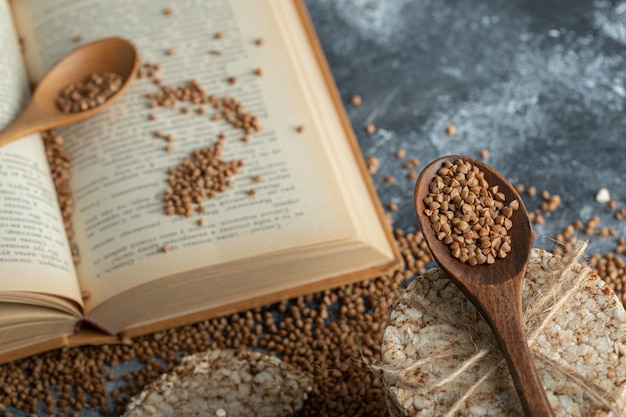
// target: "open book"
[[313, 222]]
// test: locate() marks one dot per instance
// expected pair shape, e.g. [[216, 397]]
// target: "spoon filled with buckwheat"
[[83, 83], [478, 231]]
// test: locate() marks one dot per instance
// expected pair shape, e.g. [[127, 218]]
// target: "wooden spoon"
[[496, 289], [115, 55]]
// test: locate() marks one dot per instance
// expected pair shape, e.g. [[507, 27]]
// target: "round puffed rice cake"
[[225, 383], [440, 358]]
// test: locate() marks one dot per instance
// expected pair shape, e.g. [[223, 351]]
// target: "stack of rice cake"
[[225, 383], [441, 358]]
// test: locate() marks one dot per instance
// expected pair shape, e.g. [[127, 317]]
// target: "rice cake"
[[439, 357], [225, 383]]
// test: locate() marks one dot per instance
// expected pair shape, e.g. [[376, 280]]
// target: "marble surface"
[[540, 84]]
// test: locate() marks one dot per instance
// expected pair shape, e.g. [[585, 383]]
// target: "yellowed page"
[[324, 112], [34, 252], [118, 172]]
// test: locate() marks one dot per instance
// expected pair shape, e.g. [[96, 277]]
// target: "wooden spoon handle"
[[506, 322], [30, 121], [13, 132]]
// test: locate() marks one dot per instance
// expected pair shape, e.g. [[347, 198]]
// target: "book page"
[[327, 107], [119, 166], [34, 252]]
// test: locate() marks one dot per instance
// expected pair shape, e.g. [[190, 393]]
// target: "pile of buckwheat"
[[198, 177], [468, 214], [91, 93]]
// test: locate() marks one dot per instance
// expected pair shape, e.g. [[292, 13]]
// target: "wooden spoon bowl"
[[114, 55], [495, 289], [521, 233]]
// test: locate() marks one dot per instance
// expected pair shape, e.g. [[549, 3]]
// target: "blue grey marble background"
[[540, 84]]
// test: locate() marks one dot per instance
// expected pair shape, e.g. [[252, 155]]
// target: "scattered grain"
[[259, 72], [538, 219], [165, 248], [372, 164], [59, 162], [300, 129], [389, 179], [168, 12], [484, 153], [356, 100], [400, 153], [451, 130], [219, 35], [413, 163], [259, 42], [393, 207], [606, 231], [171, 52], [227, 108], [592, 224], [78, 39], [232, 80], [370, 129], [554, 202]]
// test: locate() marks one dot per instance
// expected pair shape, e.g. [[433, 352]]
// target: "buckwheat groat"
[[91, 93], [227, 383], [440, 357]]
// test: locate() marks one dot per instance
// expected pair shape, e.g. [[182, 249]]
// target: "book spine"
[[86, 321]]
